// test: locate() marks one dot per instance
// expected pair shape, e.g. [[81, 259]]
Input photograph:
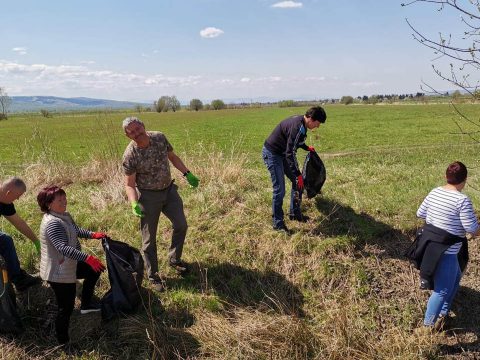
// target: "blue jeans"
[[446, 282], [7, 250], [278, 168]]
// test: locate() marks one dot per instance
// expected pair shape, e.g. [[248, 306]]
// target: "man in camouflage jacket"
[[151, 191]]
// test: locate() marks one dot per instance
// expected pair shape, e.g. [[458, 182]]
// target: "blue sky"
[[207, 49]]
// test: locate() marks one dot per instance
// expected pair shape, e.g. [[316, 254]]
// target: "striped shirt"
[[451, 211], [58, 236]]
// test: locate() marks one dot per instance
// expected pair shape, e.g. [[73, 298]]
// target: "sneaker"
[[180, 267], [157, 284], [424, 331], [283, 228], [91, 307], [445, 321], [440, 324], [23, 281], [300, 218], [425, 284]]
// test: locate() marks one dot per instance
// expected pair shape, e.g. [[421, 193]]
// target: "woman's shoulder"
[[436, 191], [448, 192], [56, 219]]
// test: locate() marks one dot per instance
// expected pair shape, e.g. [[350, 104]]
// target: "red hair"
[[47, 195]]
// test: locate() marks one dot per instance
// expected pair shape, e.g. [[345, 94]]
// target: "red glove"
[[300, 182], [94, 263], [98, 235], [311, 148]]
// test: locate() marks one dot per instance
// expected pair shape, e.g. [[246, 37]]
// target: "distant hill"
[[51, 103]]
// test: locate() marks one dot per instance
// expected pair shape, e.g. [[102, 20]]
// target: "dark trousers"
[[7, 250], [278, 168], [65, 295], [170, 203]]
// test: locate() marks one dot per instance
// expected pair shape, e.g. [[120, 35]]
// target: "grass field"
[[338, 288]]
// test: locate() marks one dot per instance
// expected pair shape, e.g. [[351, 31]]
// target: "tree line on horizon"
[[167, 103], [171, 103]]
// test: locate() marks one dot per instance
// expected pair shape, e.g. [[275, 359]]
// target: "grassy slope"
[[338, 288]]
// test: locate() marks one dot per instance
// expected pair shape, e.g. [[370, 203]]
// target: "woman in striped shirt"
[[445, 207], [62, 260]]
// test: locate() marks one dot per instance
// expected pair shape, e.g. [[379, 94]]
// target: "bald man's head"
[[11, 189]]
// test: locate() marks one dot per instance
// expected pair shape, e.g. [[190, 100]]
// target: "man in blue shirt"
[[279, 154]]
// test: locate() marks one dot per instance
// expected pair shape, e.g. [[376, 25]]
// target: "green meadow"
[[338, 288]]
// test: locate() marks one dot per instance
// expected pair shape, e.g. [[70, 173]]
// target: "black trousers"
[[65, 295]]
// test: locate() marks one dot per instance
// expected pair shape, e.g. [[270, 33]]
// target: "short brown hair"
[[47, 195], [456, 173]]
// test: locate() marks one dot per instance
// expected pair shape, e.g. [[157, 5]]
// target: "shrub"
[[173, 103], [373, 99], [161, 104], [218, 104], [346, 100], [45, 113], [196, 104], [287, 103]]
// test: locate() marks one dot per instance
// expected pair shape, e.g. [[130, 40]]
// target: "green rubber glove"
[[137, 209], [192, 179], [37, 246]]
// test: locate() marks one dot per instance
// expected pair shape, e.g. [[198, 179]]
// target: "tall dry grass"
[[314, 295]]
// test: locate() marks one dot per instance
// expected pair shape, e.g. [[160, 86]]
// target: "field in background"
[[338, 288]]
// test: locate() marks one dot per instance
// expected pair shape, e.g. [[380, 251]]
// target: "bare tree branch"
[[5, 102], [464, 53]]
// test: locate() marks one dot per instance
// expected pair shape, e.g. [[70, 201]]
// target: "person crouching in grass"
[[62, 261]]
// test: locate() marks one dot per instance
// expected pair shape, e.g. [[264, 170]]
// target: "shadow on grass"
[[342, 220], [466, 322], [148, 333], [238, 286]]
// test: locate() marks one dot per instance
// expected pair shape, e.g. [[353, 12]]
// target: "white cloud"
[[225, 81], [20, 50], [44, 77], [268, 79], [275, 78], [210, 32], [87, 62], [87, 80], [367, 84], [287, 4]]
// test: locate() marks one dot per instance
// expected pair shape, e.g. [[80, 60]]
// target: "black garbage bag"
[[10, 321], [125, 273], [314, 174]]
